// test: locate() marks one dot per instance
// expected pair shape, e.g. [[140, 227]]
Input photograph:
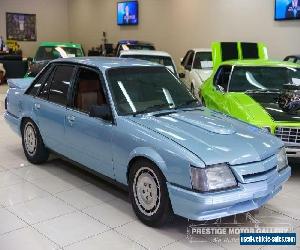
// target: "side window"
[[222, 77], [34, 89], [185, 58], [59, 87], [88, 91], [44, 91], [190, 60]]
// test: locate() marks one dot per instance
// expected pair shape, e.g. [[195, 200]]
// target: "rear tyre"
[[148, 194], [33, 144]]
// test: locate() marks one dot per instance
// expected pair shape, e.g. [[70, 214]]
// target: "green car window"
[[52, 52], [147, 89], [262, 78]]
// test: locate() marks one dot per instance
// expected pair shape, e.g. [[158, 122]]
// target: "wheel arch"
[[148, 154]]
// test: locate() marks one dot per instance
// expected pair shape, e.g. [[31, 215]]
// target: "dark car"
[[293, 58], [133, 44]]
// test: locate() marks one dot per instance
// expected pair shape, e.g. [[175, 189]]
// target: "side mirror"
[[102, 111], [181, 75]]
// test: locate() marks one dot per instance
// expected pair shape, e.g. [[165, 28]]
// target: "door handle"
[[37, 106]]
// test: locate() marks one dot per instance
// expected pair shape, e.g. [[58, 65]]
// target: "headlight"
[[282, 161], [212, 178]]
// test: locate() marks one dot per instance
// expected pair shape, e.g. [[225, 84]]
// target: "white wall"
[[176, 25], [52, 20], [173, 25]]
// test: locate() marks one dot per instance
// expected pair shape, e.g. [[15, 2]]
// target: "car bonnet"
[[213, 137]]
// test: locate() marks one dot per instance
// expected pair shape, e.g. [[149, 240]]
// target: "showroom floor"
[[58, 206]]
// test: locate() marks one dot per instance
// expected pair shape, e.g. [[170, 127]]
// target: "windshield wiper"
[[153, 108], [187, 103]]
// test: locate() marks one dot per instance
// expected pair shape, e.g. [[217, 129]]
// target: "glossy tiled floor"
[[58, 206]]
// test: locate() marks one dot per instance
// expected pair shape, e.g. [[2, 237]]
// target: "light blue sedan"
[[134, 123]]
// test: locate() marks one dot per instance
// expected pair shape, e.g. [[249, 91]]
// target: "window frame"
[[73, 91], [56, 65]]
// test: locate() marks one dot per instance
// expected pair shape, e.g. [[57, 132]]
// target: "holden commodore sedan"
[[134, 123]]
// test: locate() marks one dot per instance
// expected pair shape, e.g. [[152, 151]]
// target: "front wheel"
[[33, 144], [148, 194]]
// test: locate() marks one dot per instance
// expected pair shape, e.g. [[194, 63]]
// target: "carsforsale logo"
[[221, 231]]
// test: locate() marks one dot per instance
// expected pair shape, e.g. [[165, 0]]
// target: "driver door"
[[89, 138], [218, 99]]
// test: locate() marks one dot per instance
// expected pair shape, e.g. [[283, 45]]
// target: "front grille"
[[291, 135]]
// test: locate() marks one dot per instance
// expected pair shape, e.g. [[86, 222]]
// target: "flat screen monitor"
[[287, 9], [127, 13]]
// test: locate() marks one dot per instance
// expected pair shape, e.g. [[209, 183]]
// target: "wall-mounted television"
[[287, 9], [127, 13]]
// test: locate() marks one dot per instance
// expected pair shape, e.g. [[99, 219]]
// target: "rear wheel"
[[33, 144], [148, 194]]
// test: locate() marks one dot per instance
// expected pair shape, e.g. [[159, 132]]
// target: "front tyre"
[[148, 194], [33, 144]]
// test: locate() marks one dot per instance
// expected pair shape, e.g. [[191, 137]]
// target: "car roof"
[[258, 62], [59, 44], [202, 50], [104, 63], [144, 52], [134, 42]]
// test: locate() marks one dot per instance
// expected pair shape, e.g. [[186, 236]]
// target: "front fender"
[[150, 154]]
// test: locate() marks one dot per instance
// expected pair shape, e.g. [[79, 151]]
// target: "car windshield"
[[137, 46], [262, 78], [54, 52], [163, 60], [147, 89], [203, 60]]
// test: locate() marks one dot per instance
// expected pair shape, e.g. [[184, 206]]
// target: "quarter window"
[[222, 77], [33, 90], [58, 91]]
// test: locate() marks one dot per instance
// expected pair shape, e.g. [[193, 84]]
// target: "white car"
[[197, 67], [155, 56]]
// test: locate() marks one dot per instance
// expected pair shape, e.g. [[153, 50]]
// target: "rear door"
[[89, 138], [50, 107]]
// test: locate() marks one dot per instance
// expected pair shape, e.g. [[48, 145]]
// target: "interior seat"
[[89, 93]]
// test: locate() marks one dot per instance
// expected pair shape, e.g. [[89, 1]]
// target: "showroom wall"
[[176, 25], [52, 20]]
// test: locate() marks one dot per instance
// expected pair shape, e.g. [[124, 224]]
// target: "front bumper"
[[247, 197]]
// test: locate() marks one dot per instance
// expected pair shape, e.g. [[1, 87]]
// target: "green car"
[[248, 86], [48, 51]]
